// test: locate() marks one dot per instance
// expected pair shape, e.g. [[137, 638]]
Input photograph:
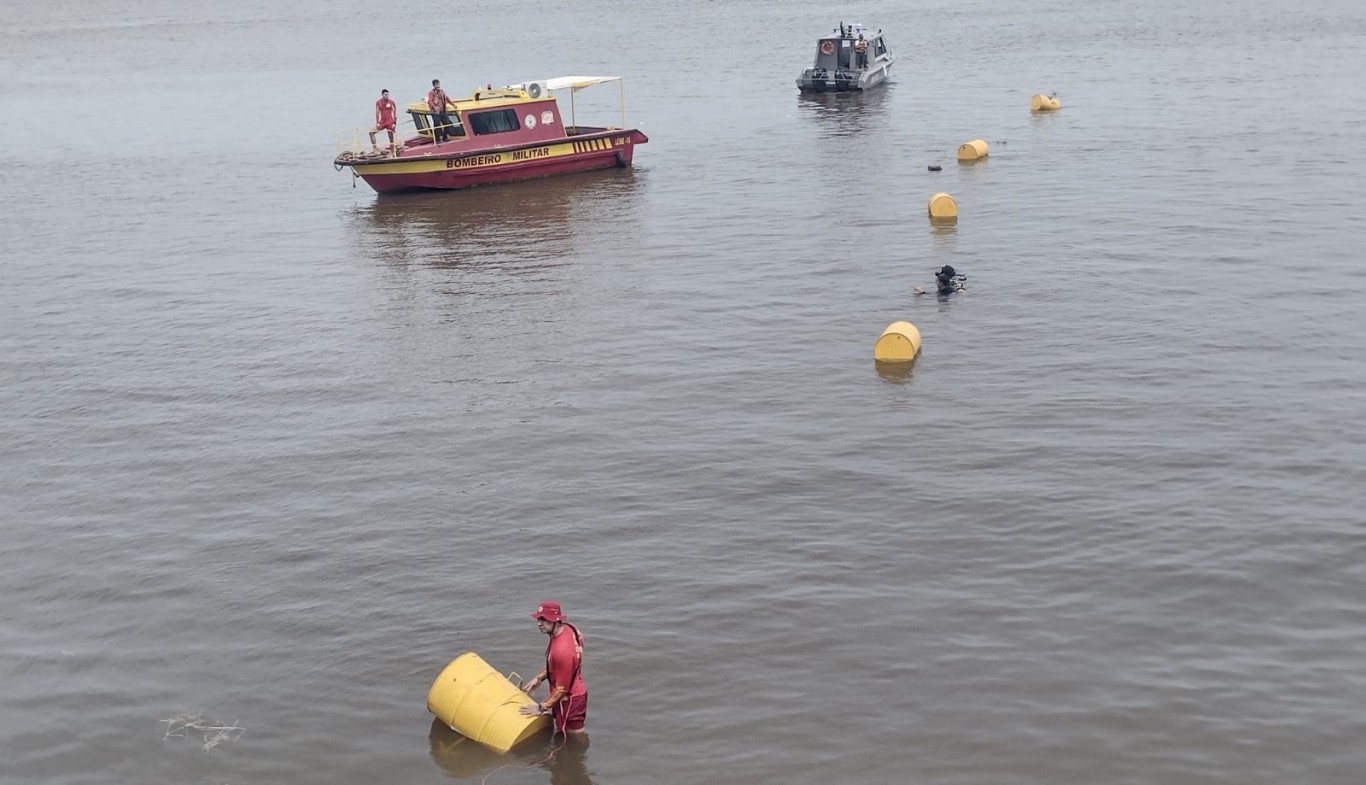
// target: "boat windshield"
[[423, 123]]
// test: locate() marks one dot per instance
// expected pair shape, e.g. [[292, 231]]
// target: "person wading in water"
[[567, 703]]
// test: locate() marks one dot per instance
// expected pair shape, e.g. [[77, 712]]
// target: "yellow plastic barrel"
[[1044, 103], [973, 150], [479, 702], [943, 208], [899, 343]]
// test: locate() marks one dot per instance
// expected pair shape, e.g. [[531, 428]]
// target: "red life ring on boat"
[[827, 47]]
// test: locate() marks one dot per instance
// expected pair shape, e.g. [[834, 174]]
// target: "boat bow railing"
[[353, 144]]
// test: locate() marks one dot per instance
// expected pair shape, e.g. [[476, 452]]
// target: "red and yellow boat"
[[496, 135]]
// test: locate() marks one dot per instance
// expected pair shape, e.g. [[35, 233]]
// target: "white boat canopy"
[[576, 83]]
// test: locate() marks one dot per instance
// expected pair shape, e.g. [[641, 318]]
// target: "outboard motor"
[[949, 280]]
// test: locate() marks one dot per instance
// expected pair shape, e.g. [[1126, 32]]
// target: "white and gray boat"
[[840, 66]]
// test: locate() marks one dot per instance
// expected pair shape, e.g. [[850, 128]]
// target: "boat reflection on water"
[[463, 759], [536, 221], [845, 114]]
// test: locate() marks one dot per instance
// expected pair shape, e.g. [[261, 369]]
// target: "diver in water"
[[948, 280]]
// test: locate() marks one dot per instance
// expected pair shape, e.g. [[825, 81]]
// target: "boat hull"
[[842, 81], [468, 169]]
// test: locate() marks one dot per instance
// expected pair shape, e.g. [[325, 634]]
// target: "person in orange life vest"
[[861, 51], [385, 113], [437, 101], [567, 703]]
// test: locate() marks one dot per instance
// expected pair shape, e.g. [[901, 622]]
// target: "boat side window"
[[421, 124], [495, 122], [879, 48]]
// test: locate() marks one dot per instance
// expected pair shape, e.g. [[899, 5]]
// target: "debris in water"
[[179, 727]]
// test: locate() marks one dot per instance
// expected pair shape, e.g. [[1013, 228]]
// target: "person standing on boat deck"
[[437, 103], [567, 703], [861, 51], [385, 112]]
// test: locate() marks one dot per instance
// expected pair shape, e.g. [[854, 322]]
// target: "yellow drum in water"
[[974, 150], [479, 702], [1044, 103], [899, 343], [943, 208]]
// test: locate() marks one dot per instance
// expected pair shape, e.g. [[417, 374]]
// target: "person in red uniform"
[[437, 100], [385, 114], [567, 703]]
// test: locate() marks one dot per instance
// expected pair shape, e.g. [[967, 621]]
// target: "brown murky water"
[[277, 449]]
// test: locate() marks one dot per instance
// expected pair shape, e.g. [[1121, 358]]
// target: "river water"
[[277, 449]]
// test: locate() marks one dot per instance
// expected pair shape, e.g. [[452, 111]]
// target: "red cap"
[[548, 610]]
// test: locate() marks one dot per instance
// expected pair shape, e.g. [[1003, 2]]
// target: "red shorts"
[[570, 713], [385, 127]]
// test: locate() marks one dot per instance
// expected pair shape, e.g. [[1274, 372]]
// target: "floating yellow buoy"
[[972, 151], [479, 702], [899, 343], [943, 208], [1044, 103]]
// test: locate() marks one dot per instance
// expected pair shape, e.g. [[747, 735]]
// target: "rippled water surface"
[[277, 449]]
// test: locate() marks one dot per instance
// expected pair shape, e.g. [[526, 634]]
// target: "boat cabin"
[[837, 52], [494, 117]]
